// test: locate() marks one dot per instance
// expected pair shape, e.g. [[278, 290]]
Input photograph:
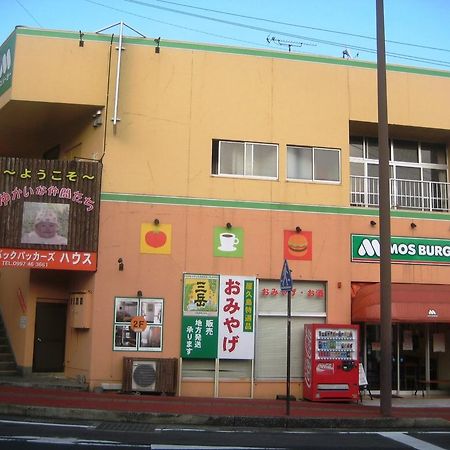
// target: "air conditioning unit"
[[143, 376], [150, 375]]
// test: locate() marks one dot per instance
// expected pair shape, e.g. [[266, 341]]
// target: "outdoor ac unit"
[[150, 375], [143, 376]]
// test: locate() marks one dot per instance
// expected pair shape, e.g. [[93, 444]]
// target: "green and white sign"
[[199, 337], [199, 334], [218, 317], [366, 248], [6, 63]]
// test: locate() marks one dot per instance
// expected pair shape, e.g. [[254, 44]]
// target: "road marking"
[[71, 442], [47, 424], [409, 440], [203, 447]]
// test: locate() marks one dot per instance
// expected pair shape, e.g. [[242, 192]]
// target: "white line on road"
[[47, 424], [409, 440]]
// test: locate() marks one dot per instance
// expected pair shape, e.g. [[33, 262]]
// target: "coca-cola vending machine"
[[331, 362]]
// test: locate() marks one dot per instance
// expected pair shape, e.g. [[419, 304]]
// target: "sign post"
[[286, 285]]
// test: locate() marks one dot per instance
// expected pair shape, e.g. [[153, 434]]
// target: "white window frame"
[[393, 164], [313, 180], [248, 153]]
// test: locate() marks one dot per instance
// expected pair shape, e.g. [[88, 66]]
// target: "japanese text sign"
[[50, 205], [236, 317], [200, 313], [48, 259], [218, 317]]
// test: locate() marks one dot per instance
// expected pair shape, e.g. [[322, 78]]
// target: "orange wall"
[[171, 106], [192, 251]]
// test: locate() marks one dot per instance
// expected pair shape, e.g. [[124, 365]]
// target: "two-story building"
[[151, 190]]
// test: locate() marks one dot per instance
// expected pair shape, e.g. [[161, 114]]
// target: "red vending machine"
[[331, 362]]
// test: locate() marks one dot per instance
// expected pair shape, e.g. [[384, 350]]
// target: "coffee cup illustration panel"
[[228, 242]]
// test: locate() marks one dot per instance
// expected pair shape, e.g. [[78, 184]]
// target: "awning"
[[413, 303]]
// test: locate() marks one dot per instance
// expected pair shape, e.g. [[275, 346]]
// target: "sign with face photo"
[[50, 209]]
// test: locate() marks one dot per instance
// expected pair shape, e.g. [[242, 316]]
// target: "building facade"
[[181, 176]]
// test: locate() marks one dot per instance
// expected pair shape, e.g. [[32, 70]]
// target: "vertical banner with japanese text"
[[236, 317], [200, 315]]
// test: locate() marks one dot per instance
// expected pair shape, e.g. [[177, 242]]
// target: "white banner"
[[236, 317]]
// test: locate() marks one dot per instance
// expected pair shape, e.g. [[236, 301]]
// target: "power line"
[[267, 30], [173, 25], [28, 12], [343, 33], [321, 41]]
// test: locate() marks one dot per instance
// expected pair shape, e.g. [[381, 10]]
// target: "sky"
[[417, 32]]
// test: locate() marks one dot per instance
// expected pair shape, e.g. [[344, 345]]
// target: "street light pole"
[[385, 223]]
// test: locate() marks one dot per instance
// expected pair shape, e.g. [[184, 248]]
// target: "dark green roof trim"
[[230, 50], [240, 204]]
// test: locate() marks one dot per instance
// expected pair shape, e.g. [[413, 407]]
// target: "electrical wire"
[[266, 30], [173, 25], [256, 28], [28, 12], [343, 33]]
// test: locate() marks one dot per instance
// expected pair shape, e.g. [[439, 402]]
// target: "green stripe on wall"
[[267, 206], [226, 49]]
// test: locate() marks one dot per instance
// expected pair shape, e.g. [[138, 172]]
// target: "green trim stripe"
[[230, 50], [268, 206]]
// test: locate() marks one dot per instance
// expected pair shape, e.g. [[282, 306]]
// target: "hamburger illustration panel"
[[298, 245]]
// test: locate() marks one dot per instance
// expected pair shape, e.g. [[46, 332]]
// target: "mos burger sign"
[[298, 245], [366, 248]]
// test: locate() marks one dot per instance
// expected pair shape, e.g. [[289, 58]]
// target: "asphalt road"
[[23, 435]]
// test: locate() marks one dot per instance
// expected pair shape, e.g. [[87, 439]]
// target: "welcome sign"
[[366, 248], [49, 211]]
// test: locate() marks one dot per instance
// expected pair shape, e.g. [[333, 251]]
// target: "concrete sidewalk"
[[62, 403]]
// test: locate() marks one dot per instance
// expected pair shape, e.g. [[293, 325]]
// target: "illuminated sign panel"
[[410, 250], [49, 213]]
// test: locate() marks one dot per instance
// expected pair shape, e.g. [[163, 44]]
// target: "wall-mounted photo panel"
[[148, 312], [150, 340]]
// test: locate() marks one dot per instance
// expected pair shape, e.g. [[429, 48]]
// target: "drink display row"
[[334, 354], [335, 334], [335, 344]]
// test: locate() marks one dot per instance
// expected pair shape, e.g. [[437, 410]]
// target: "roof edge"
[[90, 36]]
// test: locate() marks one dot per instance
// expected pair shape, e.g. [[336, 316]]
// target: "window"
[[245, 159], [138, 324], [314, 163], [418, 172], [226, 369], [405, 151], [433, 153], [308, 305]]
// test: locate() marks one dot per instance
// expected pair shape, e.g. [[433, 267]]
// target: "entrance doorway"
[[49, 337], [415, 354]]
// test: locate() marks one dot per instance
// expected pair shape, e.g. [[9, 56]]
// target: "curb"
[[40, 412]]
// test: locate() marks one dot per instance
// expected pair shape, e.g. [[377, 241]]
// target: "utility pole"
[[385, 223]]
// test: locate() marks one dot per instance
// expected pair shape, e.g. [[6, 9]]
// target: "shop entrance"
[[49, 337], [418, 353]]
